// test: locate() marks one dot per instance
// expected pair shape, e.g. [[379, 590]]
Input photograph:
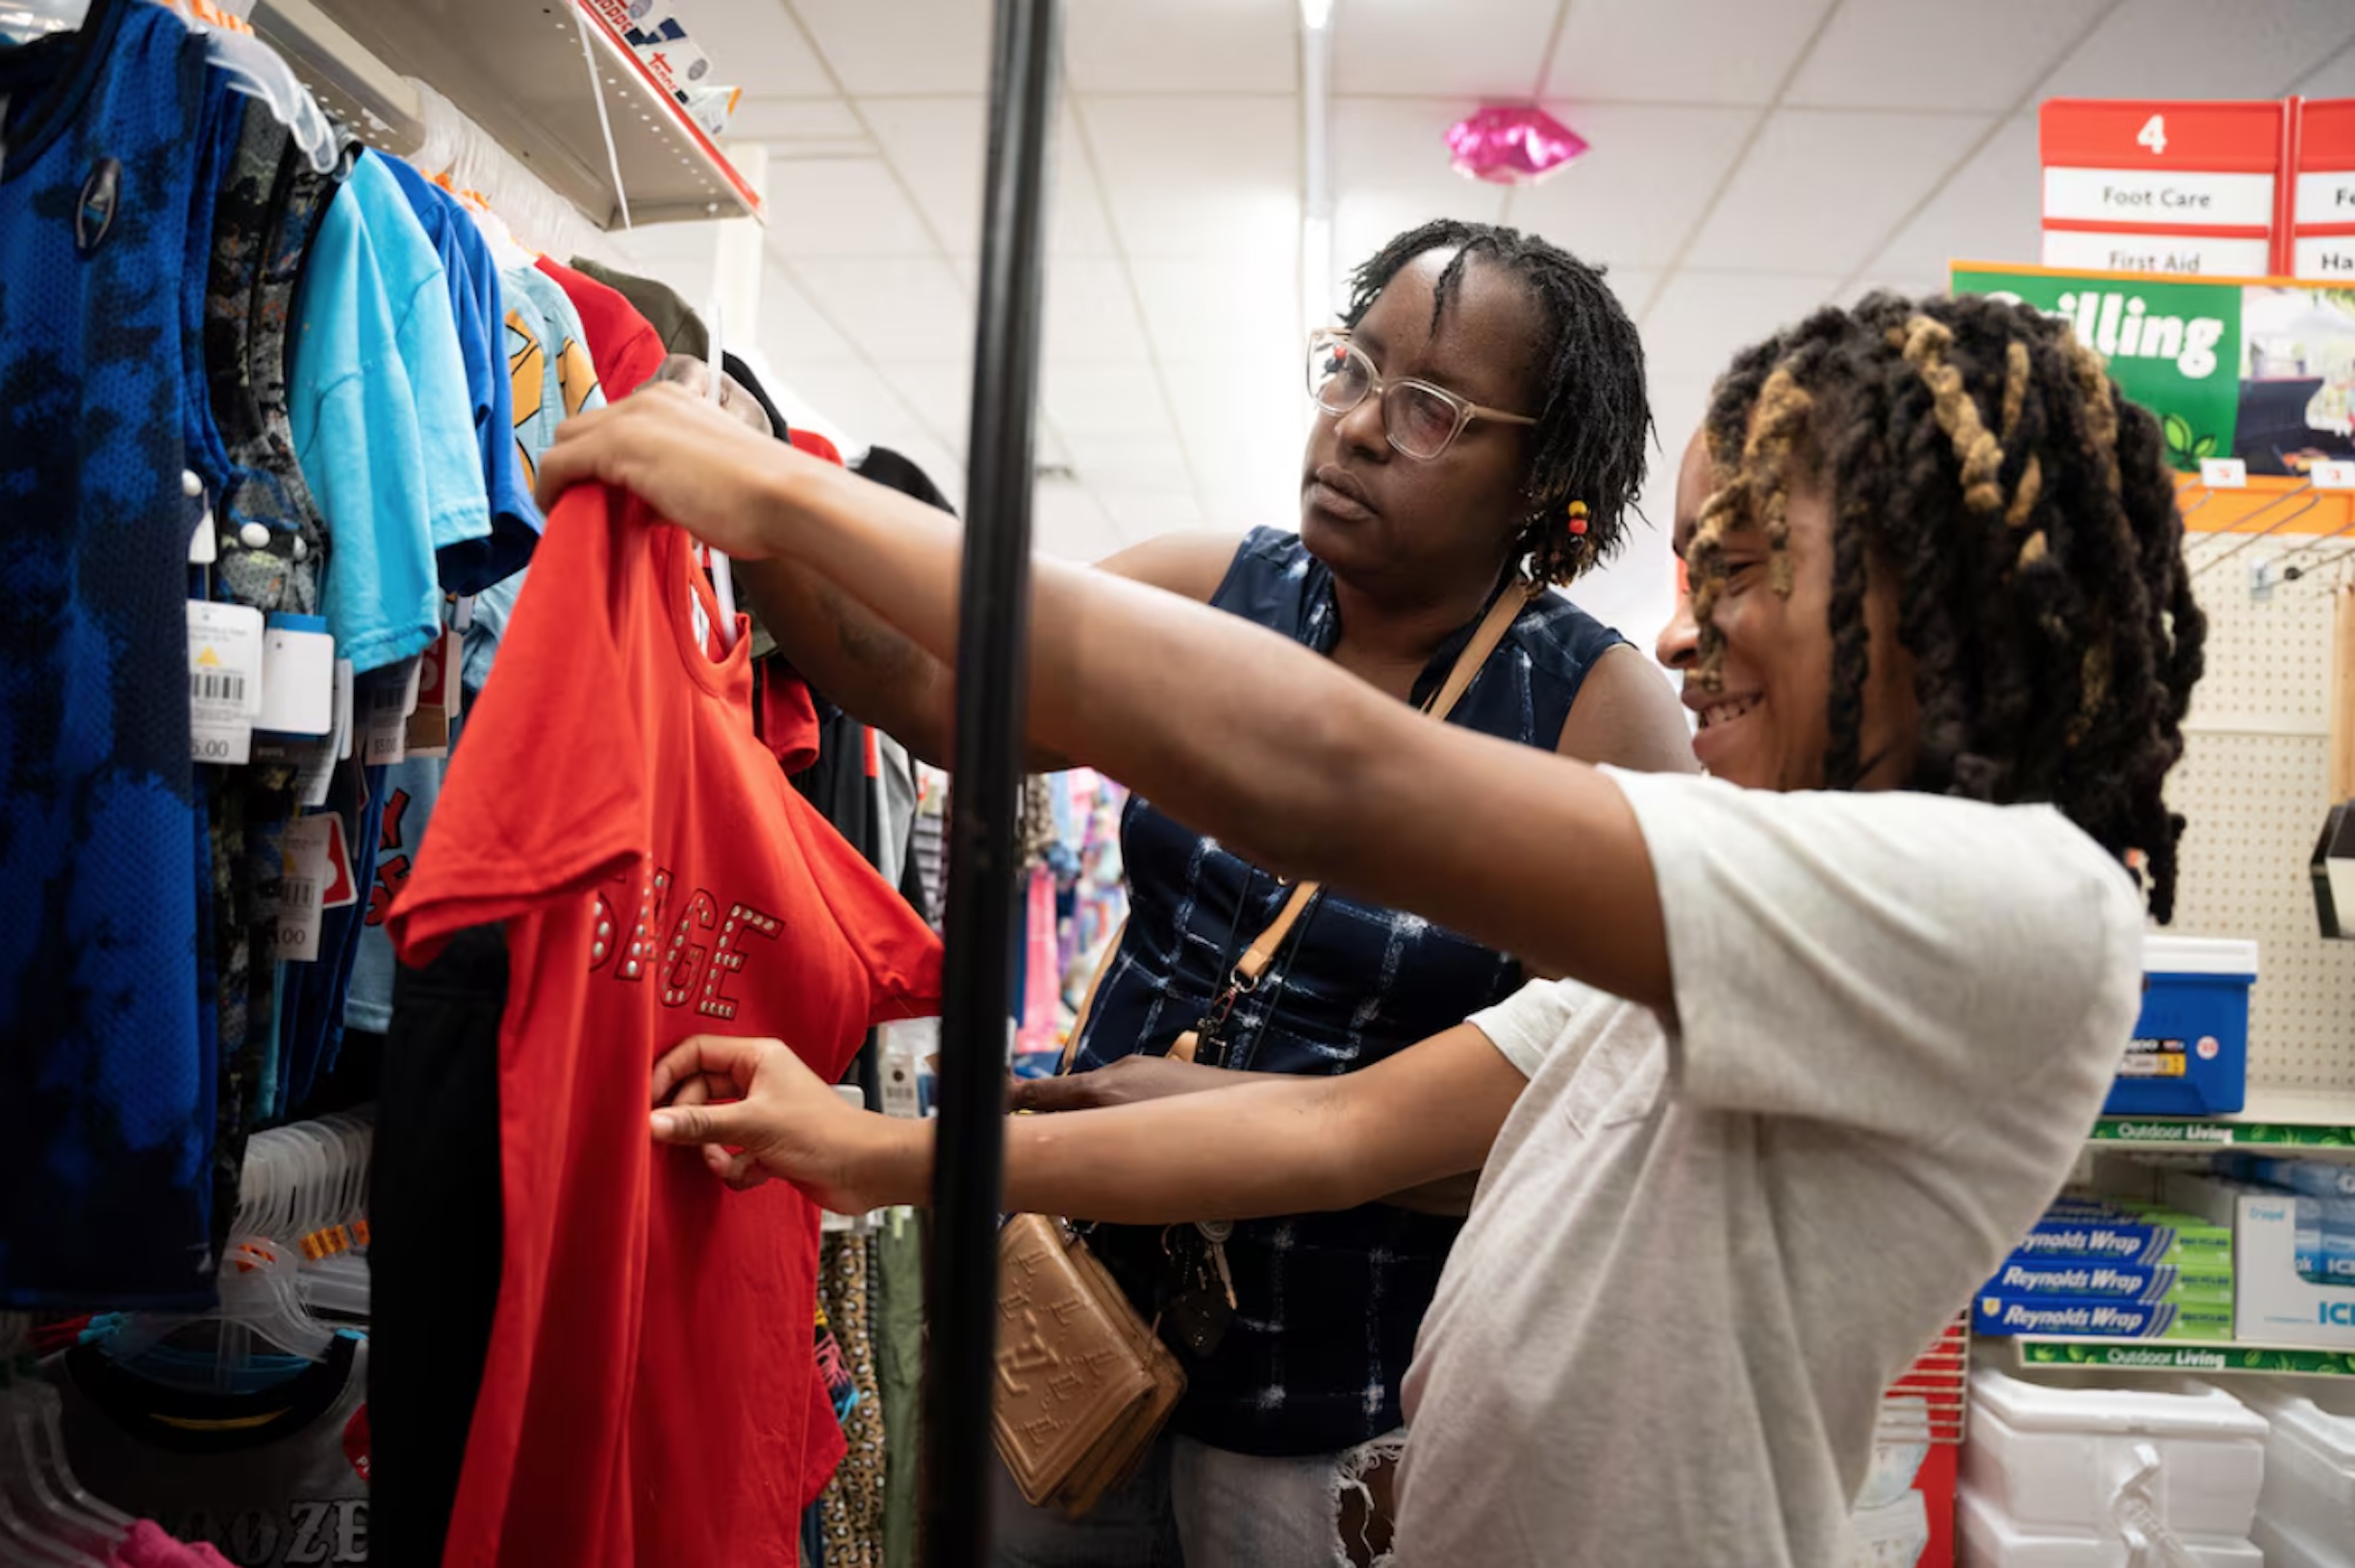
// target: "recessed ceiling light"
[[1316, 15]]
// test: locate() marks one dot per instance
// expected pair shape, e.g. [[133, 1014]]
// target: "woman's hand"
[[758, 1112], [695, 463], [1124, 1082]]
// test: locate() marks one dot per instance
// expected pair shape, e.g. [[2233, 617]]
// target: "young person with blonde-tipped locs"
[[1833, 1023]]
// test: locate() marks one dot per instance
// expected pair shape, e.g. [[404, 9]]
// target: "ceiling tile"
[[1678, 405], [1702, 320], [1922, 286], [756, 44], [1991, 211], [1200, 46], [862, 403], [1091, 317], [902, 310], [938, 145], [1105, 400], [1152, 465], [1787, 209], [1680, 51], [1642, 185], [1390, 173], [792, 332], [842, 207], [1478, 48], [941, 395], [1186, 176], [822, 124], [1067, 521], [1632, 287], [2333, 78], [905, 46], [1934, 54], [1141, 516], [2201, 49], [1216, 305]]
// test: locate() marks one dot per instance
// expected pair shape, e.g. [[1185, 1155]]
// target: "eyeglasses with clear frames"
[[1420, 420]]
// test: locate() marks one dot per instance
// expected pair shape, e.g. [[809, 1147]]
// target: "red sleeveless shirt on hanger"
[[649, 1396]]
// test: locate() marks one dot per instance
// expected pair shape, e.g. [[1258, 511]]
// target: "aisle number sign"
[[2261, 372], [2180, 189], [2322, 231]]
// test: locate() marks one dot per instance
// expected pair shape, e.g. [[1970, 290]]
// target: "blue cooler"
[[2190, 1056]]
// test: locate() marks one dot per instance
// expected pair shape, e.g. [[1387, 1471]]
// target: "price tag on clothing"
[[297, 676], [291, 902], [343, 887], [224, 680], [316, 764], [384, 730], [437, 704]]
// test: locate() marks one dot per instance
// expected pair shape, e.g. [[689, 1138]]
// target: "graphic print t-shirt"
[[656, 877], [278, 1475]]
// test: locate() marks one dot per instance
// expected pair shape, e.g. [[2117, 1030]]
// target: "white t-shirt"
[[1701, 1250]]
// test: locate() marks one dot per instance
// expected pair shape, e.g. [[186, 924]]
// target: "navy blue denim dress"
[[1327, 1304]]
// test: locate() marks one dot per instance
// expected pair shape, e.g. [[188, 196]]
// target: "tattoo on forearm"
[[864, 640]]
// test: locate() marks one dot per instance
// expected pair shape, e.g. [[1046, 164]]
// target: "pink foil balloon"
[[1512, 146]]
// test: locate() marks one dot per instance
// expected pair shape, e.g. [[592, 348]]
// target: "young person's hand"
[[1123, 1082], [758, 1112], [691, 460]]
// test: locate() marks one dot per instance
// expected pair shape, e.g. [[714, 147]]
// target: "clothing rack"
[[984, 857]]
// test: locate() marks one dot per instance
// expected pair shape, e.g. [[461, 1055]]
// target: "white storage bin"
[[2057, 1458], [2284, 1550], [2310, 1468], [1991, 1540]]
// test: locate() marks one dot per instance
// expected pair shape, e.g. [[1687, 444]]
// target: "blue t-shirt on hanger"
[[356, 417], [481, 311]]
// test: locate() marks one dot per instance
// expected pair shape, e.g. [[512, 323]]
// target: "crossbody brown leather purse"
[[1084, 1382]]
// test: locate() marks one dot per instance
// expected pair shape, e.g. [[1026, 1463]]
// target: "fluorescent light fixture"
[[1316, 15]]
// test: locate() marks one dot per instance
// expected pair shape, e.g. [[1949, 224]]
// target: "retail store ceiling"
[[1751, 159]]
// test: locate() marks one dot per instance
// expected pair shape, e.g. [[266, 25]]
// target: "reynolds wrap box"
[[2143, 1239], [2158, 1283], [2094, 1317]]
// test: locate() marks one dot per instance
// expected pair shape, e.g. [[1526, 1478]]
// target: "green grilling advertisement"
[[2261, 372]]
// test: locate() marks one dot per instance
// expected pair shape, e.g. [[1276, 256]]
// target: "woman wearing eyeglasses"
[[1483, 413]]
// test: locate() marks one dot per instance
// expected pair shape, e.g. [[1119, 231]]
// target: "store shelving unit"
[[2315, 1123], [2207, 1359], [516, 71]]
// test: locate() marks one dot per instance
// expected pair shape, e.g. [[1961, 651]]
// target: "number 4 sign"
[[2185, 189]]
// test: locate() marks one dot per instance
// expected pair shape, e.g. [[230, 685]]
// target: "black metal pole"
[[961, 1300]]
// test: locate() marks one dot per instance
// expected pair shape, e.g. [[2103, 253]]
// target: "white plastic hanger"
[[28, 19], [256, 70], [723, 582], [36, 1527]]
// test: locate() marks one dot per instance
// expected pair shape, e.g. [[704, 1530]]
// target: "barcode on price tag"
[[222, 687], [292, 916], [224, 680], [383, 735]]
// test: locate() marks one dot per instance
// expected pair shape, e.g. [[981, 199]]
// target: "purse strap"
[[1515, 597], [1510, 603]]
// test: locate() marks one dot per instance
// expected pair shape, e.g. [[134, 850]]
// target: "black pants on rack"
[[435, 1215]]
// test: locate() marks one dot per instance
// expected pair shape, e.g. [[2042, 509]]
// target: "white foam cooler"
[[2056, 1459], [2310, 1473], [1991, 1540]]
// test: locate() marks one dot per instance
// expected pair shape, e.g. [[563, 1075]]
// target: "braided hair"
[[1980, 453], [1589, 443]]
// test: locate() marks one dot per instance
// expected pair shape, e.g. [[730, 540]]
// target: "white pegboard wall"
[[2254, 786]]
